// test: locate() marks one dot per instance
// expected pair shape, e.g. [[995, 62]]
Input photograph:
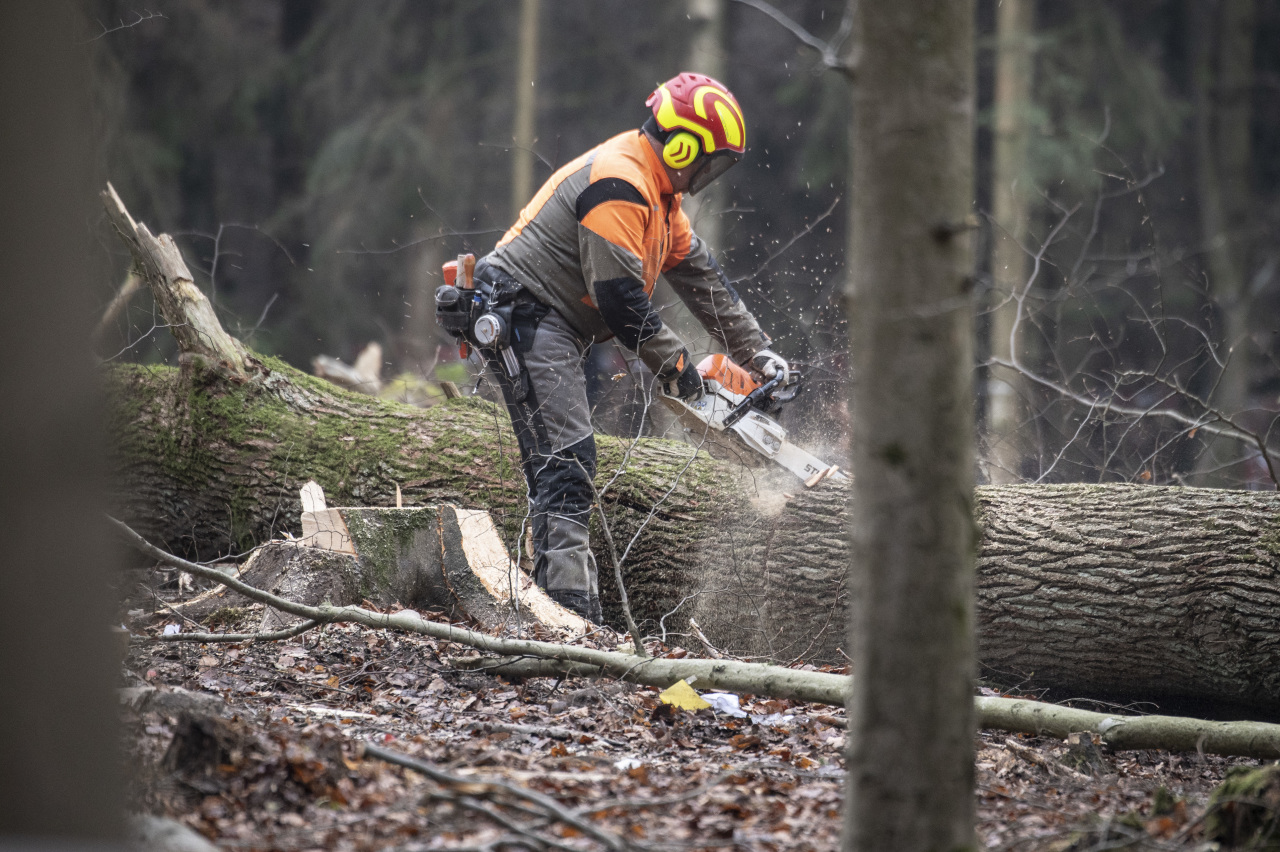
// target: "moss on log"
[[1120, 591], [1117, 591]]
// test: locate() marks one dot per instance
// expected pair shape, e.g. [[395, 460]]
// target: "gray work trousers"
[[552, 421]]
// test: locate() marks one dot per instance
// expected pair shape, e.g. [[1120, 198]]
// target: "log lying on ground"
[[529, 658], [1113, 591]]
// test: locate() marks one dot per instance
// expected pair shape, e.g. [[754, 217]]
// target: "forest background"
[[318, 161]]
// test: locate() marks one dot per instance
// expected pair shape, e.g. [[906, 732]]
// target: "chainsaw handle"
[[741, 409]]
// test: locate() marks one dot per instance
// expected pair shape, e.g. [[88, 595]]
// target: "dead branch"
[[757, 678], [828, 51], [636, 640], [1053, 767], [472, 787], [1206, 417], [273, 636], [187, 311], [1172, 733]]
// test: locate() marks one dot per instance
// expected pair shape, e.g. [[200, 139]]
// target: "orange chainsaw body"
[[722, 369]]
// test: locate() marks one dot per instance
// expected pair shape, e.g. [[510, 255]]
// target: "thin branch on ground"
[[496, 787], [1248, 739], [636, 640], [274, 636]]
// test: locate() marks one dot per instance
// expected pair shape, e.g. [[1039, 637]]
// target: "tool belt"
[[475, 305]]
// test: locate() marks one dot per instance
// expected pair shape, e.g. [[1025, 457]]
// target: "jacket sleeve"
[[612, 215], [700, 282]]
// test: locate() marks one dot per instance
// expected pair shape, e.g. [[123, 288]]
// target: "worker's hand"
[[684, 382], [770, 364]]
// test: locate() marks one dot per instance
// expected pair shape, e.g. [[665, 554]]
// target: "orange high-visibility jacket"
[[593, 241]]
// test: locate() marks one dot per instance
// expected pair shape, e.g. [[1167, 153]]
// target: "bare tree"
[[1223, 69], [1011, 192], [526, 106], [910, 776], [707, 56]]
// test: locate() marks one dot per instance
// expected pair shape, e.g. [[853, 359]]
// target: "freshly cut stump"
[[431, 557]]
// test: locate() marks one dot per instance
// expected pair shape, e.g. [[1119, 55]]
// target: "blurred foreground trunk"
[[61, 780], [1119, 591], [912, 536]]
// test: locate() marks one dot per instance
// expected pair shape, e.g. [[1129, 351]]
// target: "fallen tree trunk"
[[1114, 591], [531, 658]]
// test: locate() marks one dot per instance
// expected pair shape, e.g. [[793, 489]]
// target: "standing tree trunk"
[[523, 133], [1011, 213], [1223, 69], [910, 782], [60, 778], [706, 56]]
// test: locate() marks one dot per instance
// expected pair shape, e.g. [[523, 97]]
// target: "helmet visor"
[[711, 168]]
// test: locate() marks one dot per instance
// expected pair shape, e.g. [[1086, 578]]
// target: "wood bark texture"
[[913, 539], [1130, 590], [209, 462]]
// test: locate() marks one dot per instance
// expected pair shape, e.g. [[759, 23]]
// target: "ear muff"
[[681, 149]]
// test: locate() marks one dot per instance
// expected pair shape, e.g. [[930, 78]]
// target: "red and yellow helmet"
[[699, 119]]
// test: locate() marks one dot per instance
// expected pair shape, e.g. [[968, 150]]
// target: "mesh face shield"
[[711, 167]]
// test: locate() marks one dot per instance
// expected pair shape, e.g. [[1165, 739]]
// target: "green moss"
[[1244, 811], [381, 536], [1163, 802], [289, 427]]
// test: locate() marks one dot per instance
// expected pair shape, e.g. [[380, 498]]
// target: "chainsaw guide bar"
[[728, 426]]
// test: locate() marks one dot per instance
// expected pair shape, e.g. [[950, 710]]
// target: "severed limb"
[[1172, 733]]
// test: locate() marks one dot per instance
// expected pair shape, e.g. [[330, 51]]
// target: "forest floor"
[[268, 754]]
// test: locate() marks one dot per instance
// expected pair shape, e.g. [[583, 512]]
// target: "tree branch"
[[185, 309], [1174, 733], [828, 51], [548, 805], [275, 636]]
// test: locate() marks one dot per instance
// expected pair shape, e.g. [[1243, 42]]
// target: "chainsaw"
[[733, 415]]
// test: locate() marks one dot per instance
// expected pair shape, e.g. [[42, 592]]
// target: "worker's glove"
[[683, 382], [770, 364]]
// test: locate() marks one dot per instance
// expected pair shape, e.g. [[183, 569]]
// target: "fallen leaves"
[[660, 771]]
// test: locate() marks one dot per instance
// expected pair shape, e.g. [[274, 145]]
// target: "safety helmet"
[[698, 120]]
